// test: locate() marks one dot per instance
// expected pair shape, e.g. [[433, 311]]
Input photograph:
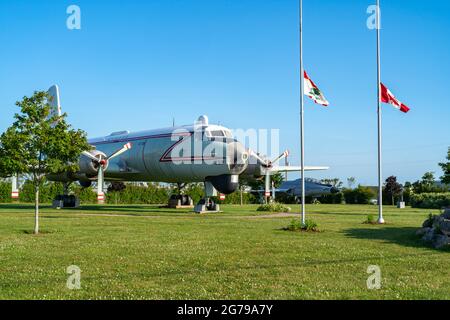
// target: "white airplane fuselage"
[[155, 154]]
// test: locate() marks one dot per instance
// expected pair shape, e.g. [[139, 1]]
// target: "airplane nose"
[[237, 157]]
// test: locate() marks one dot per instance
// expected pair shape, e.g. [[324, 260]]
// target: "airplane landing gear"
[[180, 202], [65, 200], [207, 205]]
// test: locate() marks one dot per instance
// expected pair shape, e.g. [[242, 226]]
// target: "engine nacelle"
[[85, 183], [89, 167], [225, 184]]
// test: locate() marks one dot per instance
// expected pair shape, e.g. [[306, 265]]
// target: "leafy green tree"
[[392, 188], [38, 144], [277, 178], [359, 195], [351, 182], [446, 168], [427, 184]]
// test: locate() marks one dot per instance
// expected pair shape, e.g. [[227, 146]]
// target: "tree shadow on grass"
[[126, 209], [21, 206], [404, 236], [129, 208]]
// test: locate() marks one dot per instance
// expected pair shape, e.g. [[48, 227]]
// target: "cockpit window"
[[217, 133]]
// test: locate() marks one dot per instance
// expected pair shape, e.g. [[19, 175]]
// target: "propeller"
[[267, 164], [102, 162]]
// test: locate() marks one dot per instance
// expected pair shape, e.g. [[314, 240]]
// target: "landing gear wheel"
[[207, 205]]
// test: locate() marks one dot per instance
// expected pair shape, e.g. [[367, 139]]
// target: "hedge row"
[[153, 194], [5, 192], [360, 195], [430, 200]]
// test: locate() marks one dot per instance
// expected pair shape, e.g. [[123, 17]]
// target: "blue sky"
[[137, 64]]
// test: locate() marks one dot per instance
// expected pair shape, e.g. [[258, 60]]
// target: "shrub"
[[430, 200], [286, 198], [235, 198], [85, 195], [274, 207], [360, 195], [47, 192], [332, 198], [195, 191], [297, 225], [5, 192], [153, 194], [370, 219]]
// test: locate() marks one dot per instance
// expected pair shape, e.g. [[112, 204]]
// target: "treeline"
[[159, 194], [153, 193], [359, 195]]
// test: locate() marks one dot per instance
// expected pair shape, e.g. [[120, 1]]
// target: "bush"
[[360, 195], [85, 195], [370, 219], [332, 198], [47, 192], [430, 200], [153, 194], [235, 198], [195, 190], [5, 192], [309, 226], [286, 198], [274, 207]]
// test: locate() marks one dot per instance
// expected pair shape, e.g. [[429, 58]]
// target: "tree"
[[392, 188], [428, 179], [446, 168], [277, 179], [38, 144], [427, 184], [351, 182]]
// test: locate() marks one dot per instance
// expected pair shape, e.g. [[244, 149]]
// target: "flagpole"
[[302, 128], [380, 169]]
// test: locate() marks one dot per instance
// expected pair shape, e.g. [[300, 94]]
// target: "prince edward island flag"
[[313, 92]]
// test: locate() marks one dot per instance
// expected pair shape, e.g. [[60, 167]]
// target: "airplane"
[[201, 152], [313, 188]]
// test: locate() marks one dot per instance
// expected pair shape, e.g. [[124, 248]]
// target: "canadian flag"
[[388, 97]]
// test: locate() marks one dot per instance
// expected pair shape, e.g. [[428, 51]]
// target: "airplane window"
[[217, 133]]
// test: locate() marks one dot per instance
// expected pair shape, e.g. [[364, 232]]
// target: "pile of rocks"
[[436, 230]]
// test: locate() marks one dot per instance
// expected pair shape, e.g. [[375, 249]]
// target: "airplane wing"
[[296, 169]]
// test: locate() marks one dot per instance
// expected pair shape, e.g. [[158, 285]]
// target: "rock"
[[439, 241], [422, 231], [444, 227], [446, 214], [428, 237], [437, 221], [427, 223]]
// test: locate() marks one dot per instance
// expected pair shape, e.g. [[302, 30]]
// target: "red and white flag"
[[388, 97], [313, 92]]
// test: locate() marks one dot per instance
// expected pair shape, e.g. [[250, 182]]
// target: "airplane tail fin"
[[55, 103]]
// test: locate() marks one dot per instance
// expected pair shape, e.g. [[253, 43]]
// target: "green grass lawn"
[[144, 252]]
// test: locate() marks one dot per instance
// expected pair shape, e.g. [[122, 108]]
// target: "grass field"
[[144, 252]]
